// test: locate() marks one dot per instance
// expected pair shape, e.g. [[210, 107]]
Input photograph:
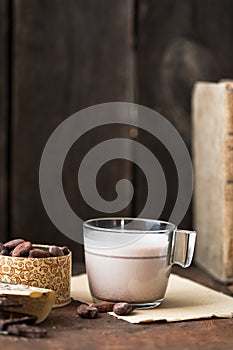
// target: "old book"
[[212, 107]]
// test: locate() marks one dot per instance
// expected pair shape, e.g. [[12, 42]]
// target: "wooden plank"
[[213, 24], [180, 42], [157, 40], [4, 87], [65, 330], [160, 25], [65, 58], [213, 120]]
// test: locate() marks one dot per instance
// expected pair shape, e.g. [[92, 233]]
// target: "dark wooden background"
[[57, 57]]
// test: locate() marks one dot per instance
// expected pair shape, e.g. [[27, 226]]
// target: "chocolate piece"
[[24, 330], [8, 318], [6, 303]]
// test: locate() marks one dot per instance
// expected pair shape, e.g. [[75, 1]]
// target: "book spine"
[[228, 229]]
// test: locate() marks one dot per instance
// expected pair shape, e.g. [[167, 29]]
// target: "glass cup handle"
[[183, 247]]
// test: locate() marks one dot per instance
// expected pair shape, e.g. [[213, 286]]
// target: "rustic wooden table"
[[67, 331]]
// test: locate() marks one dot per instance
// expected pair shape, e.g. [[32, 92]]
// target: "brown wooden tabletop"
[[67, 331]]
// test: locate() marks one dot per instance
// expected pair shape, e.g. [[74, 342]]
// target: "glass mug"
[[130, 259]]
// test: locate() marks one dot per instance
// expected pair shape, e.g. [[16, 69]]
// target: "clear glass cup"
[[130, 259]]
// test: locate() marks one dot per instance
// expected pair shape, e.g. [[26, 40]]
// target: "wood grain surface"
[[66, 57], [4, 105], [178, 43], [67, 331]]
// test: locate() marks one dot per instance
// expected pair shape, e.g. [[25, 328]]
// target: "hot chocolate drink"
[[130, 259], [136, 272]]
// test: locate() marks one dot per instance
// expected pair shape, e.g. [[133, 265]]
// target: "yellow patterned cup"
[[51, 273]]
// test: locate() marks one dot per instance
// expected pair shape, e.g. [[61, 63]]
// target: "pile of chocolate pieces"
[[14, 323]]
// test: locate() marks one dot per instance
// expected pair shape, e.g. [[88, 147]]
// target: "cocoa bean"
[[3, 249], [123, 309], [22, 249], [85, 311], [13, 243], [103, 306], [38, 253], [65, 250], [55, 251]]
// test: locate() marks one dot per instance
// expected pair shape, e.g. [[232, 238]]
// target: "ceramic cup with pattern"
[[50, 273]]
